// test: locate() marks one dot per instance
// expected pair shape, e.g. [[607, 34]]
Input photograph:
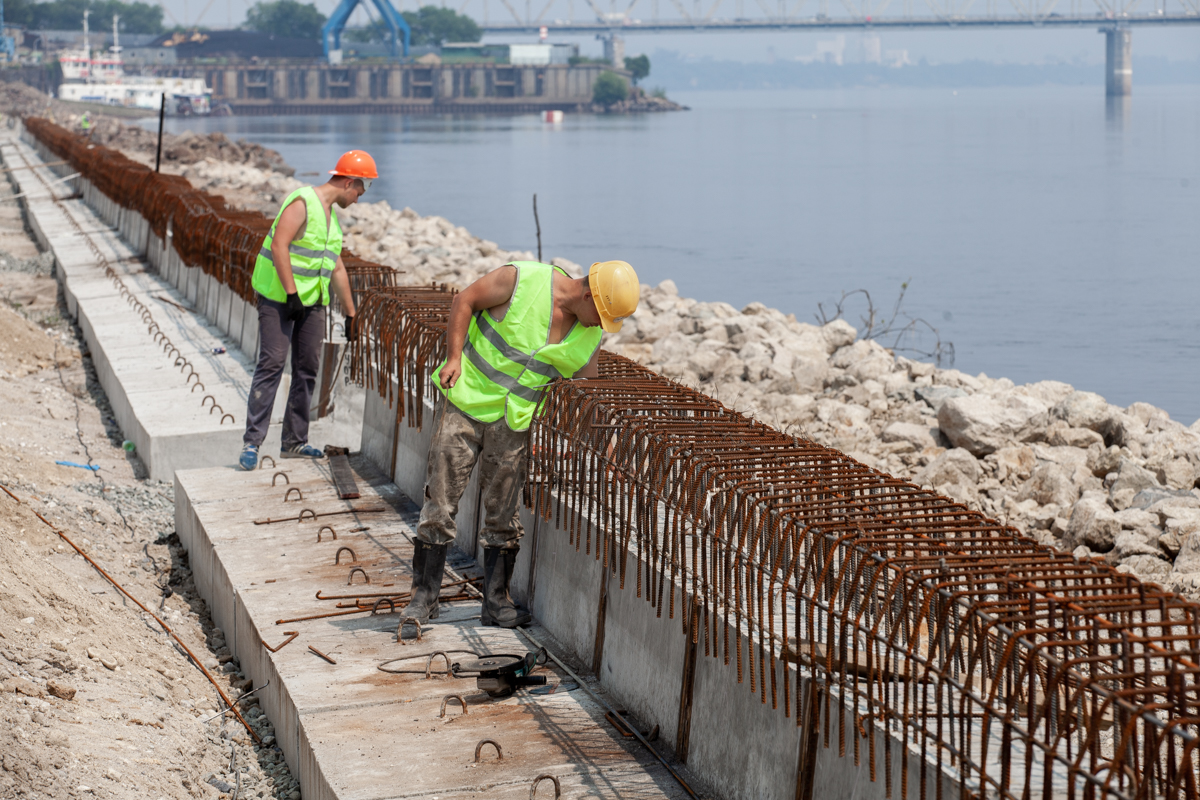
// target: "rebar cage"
[[1017, 670]]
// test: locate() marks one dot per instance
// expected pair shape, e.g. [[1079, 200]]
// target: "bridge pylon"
[[1118, 61]]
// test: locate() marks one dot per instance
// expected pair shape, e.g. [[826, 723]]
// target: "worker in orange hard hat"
[[509, 335], [299, 260]]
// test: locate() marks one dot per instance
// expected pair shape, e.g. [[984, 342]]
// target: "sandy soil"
[[95, 699]]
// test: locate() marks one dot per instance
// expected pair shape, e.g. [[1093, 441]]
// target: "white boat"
[[102, 79]]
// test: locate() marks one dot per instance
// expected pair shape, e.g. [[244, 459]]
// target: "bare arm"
[[591, 368], [341, 287], [286, 231], [494, 289]]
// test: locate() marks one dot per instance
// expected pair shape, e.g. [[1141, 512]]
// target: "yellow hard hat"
[[615, 290]]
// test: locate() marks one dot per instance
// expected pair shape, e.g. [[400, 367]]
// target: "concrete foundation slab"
[[351, 729], [181, 403]]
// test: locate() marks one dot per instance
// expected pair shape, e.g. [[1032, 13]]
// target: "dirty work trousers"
[[458, 442], [275, 334]]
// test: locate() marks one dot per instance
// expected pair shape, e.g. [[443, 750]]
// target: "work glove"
[[295, 308], [350, 326]]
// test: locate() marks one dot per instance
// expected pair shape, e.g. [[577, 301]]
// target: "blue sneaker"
[[301, 451], [249, 458]]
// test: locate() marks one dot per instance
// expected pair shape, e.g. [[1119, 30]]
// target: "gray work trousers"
[[275, 335], [458, 442]]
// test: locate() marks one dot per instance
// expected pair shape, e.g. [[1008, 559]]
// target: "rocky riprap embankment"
[[637, 102], [1064, 465]]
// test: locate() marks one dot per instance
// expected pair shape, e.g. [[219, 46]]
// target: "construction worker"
[[299, 259], [509, 335]]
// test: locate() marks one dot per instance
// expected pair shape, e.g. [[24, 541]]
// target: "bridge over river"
[[1115, 18]]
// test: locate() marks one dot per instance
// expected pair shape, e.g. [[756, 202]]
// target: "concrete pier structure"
[[318, 88], [1118, 61]]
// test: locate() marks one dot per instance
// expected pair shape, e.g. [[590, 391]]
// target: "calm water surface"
[[1047, 234]]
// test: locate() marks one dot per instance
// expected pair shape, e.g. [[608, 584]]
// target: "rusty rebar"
[[1007, 664]]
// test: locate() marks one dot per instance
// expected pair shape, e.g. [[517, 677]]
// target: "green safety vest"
[[506, 365], [313, 255]]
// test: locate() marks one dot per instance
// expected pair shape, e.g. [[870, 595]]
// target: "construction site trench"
[[736, 612]]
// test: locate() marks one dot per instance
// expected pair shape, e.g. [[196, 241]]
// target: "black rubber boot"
[[429, 560], [499, 610]]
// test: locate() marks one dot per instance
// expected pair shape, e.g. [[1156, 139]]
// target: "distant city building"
[[872, 49], [829, 51], [896, 58]]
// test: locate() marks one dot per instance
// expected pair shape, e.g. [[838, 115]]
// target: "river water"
[[1044, 232]]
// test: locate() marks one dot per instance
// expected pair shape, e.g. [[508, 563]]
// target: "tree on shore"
[[638, 67], [429, 25], [609, 88], [285, 18], [67, 15], [433, 25]]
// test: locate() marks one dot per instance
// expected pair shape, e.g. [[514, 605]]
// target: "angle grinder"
[[501, 674]]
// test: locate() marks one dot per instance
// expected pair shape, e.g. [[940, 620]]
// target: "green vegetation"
[[575, 61], [433, 25], [285, 18], [609, 88], [659, 92], [638, 67], [430, 25], [67, 15]]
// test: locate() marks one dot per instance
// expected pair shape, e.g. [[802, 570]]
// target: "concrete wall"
[[737, 745], [399, 88]]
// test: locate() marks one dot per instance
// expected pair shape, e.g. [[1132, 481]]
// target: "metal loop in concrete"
[[482, 742], [288, 494], [539, 779], [332, 533], [278, 475], [463, 703], [350, 579], [231, 419], [391, 605], [400, 628], [192, 374], [210, 397], [263, 462], [215, 407], [337, 557], [429, 664], [197, 385], [300, 517]]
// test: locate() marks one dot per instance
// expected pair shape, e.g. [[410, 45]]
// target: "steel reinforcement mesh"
[[1016, 670], [206, 233]]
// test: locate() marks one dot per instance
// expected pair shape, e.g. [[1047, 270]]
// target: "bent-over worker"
[[300, 258], [509, 335]]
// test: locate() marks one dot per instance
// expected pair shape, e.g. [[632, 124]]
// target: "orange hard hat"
[[356, 164]]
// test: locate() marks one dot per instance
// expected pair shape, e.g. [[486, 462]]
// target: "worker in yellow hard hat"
[[509, 335], [299, 260]]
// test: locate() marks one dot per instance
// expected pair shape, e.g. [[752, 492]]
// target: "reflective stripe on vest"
[[506, 365], [313, 256]]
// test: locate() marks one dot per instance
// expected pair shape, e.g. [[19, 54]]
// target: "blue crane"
[[331, 33]]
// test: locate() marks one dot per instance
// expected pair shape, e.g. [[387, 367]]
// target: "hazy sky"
[[1013, 46]]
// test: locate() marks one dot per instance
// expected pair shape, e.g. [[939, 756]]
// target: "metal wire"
[[1014, 669]]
